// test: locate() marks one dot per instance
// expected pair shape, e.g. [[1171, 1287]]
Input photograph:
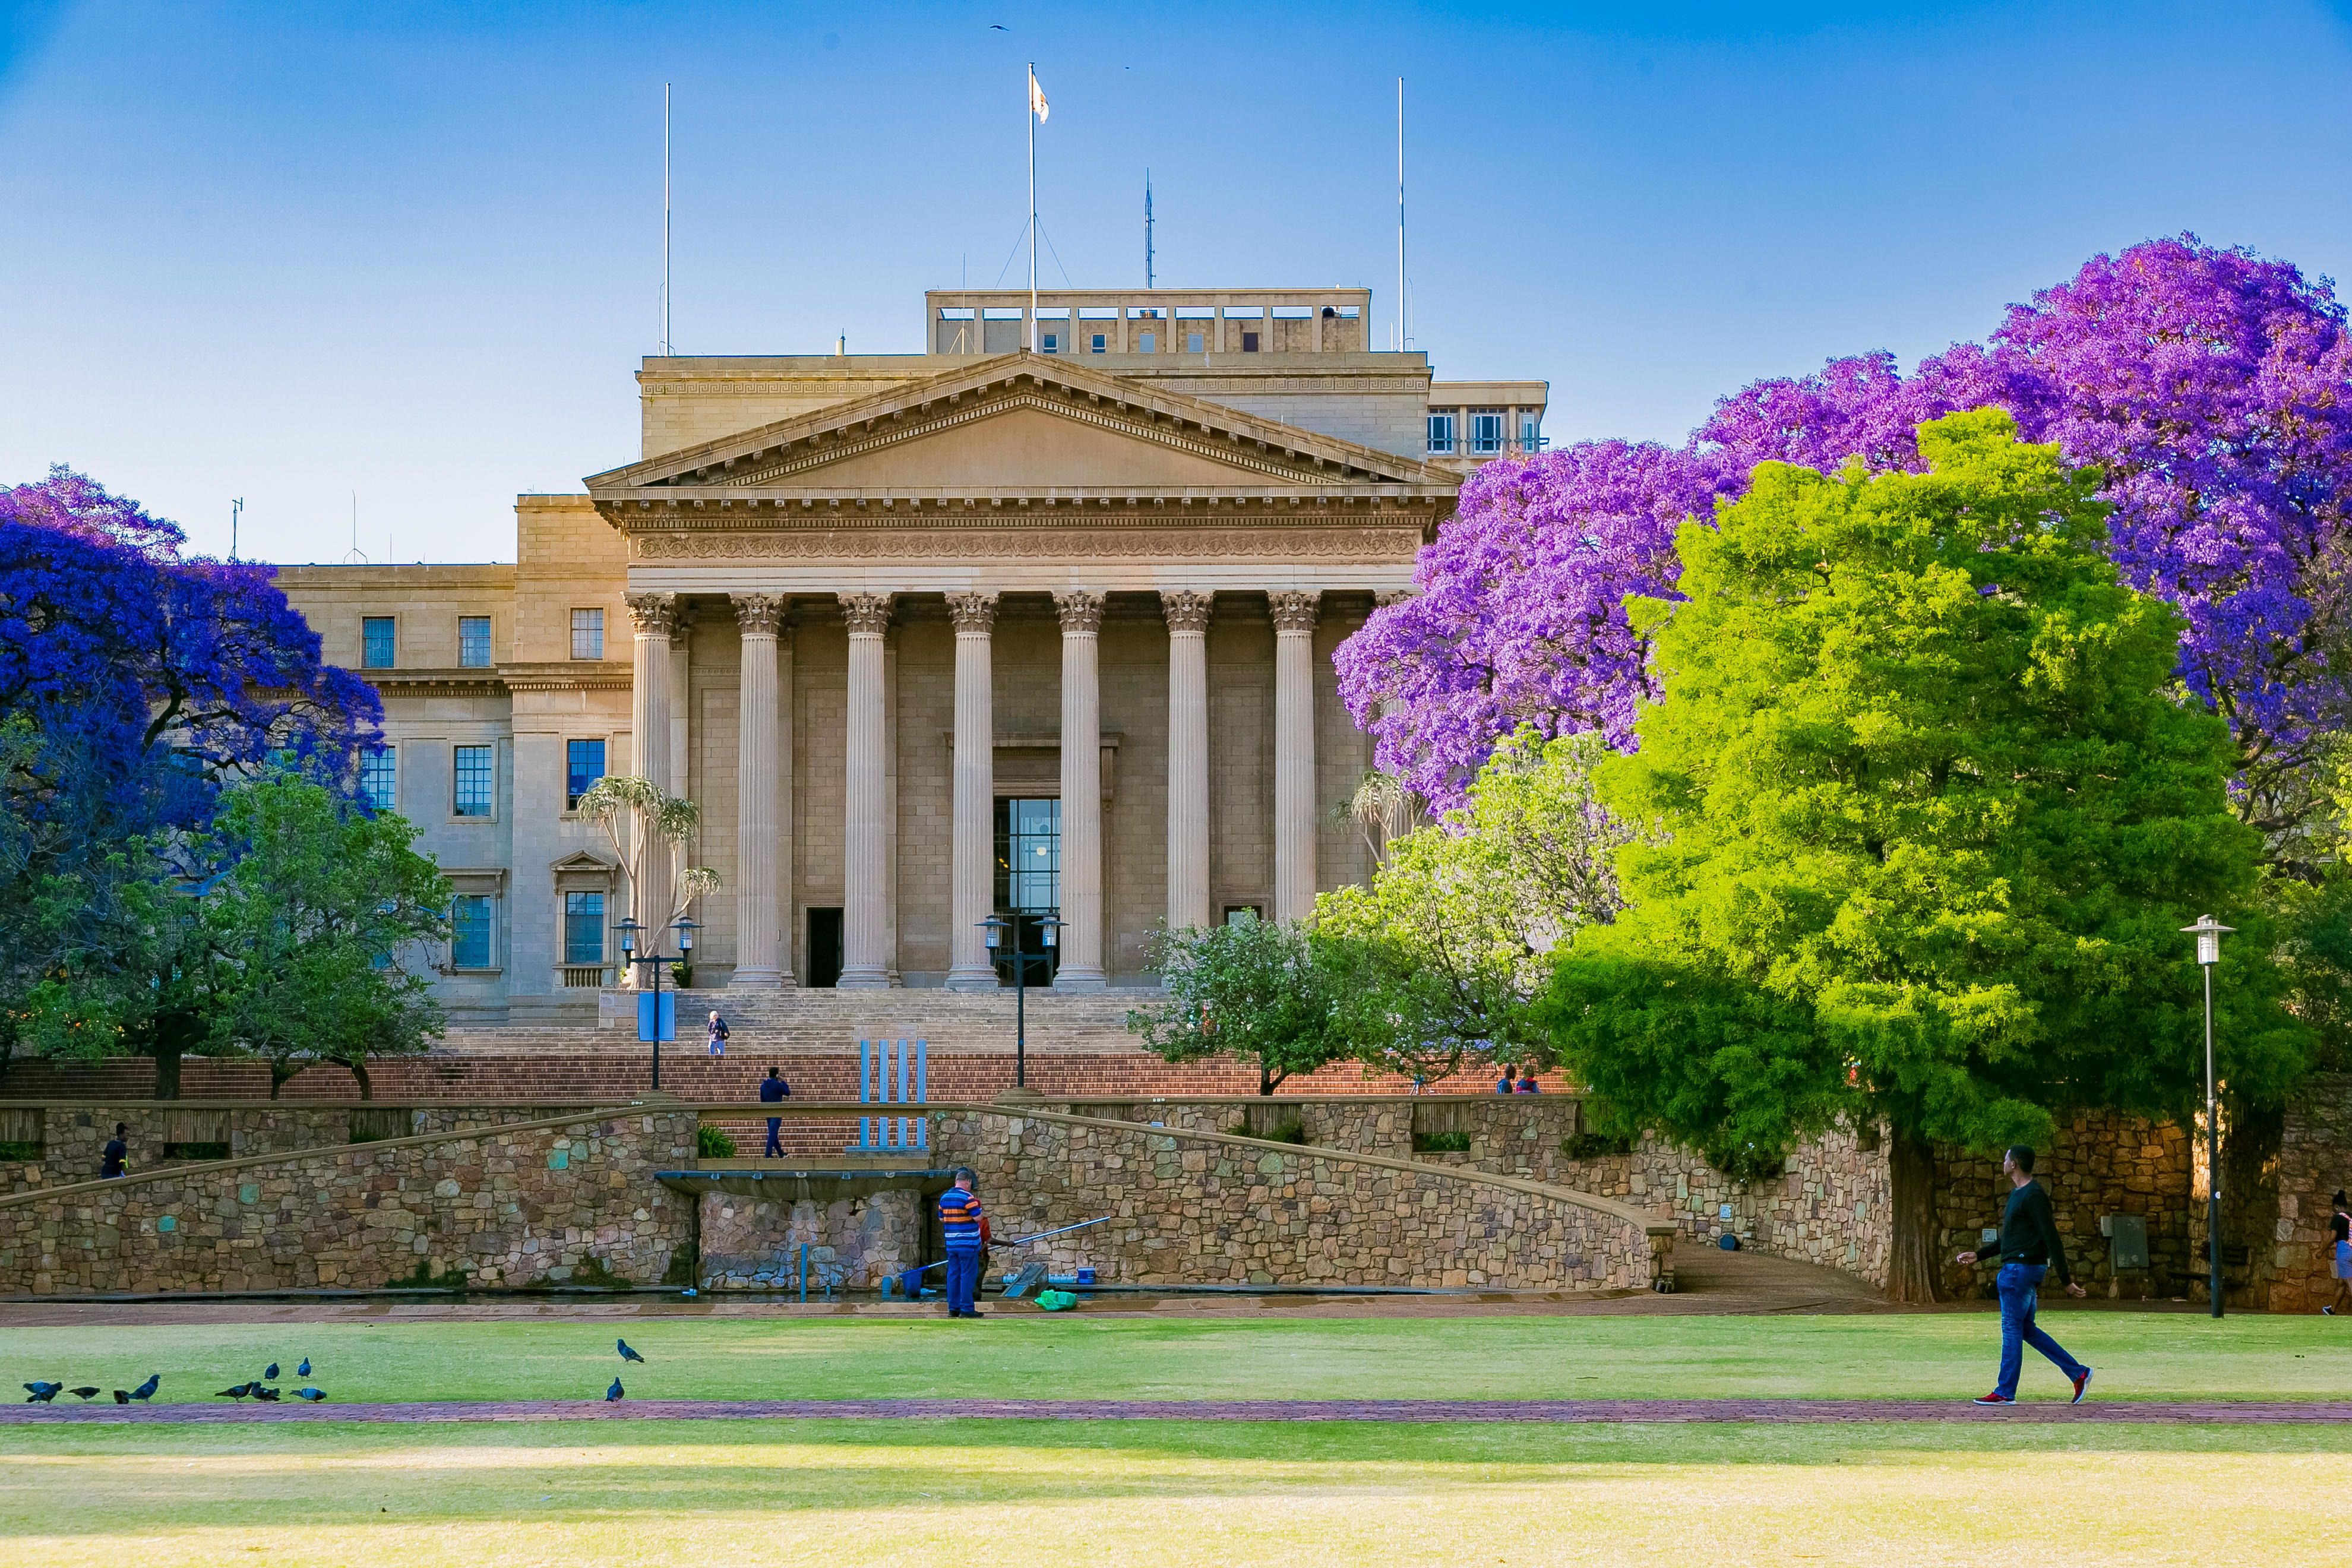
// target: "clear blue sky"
[[413, 251]]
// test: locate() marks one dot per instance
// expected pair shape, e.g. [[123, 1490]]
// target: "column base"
[[760, 980], [1070, 977], [872, 979], [982, 979]]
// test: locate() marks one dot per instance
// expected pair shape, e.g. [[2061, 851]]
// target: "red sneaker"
[[2082, 1386], [1995, 1399]]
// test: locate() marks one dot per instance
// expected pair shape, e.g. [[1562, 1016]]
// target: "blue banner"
[[647, 1021]]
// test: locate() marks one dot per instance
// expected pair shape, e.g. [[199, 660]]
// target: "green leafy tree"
[[1932, 812], [322, 924], [651, 833], [1249, 989], [1439, 958]]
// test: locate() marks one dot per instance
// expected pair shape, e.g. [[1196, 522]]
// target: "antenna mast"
[[1147, 229], [236, 510], [664, 219], [1398, 332]]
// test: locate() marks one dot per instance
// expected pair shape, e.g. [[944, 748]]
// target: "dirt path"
[[1813, 1411]]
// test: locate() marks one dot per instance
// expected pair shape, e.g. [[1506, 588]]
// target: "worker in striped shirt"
[[965, 1224]]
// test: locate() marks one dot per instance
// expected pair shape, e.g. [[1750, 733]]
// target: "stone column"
[[1082, 902], [681, 700], [787, 817], [972, 857], [864, 935], [1293, 753], [650, 698], [1187, 758], [758, 957]]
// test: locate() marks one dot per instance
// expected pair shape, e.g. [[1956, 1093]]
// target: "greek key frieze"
[[1367, 544]]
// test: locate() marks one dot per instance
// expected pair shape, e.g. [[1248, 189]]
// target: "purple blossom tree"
[[2212, 389]]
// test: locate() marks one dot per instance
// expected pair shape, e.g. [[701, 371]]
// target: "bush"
[[1594, 1146], [710, 1143], [1441, 1143], [20, 1151], [1288, 1133]]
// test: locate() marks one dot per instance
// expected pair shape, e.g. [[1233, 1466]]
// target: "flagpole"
[[1029, 114], [665, 220]]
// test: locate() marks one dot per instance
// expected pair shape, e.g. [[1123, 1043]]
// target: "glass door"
[[1028, 885]]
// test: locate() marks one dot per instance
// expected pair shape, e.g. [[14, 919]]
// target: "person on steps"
[[2030, 1247], [718, 1034], [1507, 1083], [964, 1225], [772, 1090], [115, 1157]]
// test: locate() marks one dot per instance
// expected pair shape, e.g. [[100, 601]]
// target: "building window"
[[1193, 343], [380, 778], [473, 781], [1243, 914], [1098, 341], [584, 764], [474, 642], [1249, 342], [1147, 343], [1441, 432], [587, 634], [1028, 885], [1053, 341], [1486, 430], [1530, 433], [469, 932], [583, 928], [378, 642]]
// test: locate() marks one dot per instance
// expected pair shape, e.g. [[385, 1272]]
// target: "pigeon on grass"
[[42, 1392], [266, 1395], [626, 1353], [85, 1395], [613, 1394], [236, 1391], [147, 1389], [303, 1370], [311, 1395], [269, 1372]]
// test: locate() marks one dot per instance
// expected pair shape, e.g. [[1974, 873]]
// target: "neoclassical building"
[[930, 638]]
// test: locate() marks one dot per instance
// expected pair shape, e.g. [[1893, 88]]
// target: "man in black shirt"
[[2030, 1247], [774, 1088], [111, 1160], [2339, 1252]]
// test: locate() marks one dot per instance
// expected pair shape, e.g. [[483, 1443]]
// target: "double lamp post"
[[993, 931], [629, 929]]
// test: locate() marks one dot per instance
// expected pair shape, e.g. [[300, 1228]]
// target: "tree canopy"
[[1249, 989], [1929, 813]]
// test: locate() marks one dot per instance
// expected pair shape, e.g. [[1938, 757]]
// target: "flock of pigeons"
[[613, 1394], [259, 1388]]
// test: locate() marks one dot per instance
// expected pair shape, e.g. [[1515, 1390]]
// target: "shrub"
[[1441, 1143], [710, 1143], [1594, 1146]]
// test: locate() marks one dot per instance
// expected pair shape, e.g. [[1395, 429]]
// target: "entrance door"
[[823, 948], [1028, 885]]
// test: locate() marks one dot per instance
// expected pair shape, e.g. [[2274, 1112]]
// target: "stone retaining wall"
[[1211, 1208], [511, 1208], [857, 1242]]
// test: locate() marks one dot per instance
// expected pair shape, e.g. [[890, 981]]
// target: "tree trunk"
[[1912, 1266], [359, 1072], [167, 1072]]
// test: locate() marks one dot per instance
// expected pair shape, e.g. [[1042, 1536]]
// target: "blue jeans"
[[2018, 1283], [963, 1278], [775, 1149]]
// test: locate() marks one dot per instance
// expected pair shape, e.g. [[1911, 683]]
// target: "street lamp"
[[630, 931], [992, 931], [2209, 933]]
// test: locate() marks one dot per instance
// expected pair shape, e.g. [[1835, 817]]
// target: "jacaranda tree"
[[2211, 389], [1929, 810]]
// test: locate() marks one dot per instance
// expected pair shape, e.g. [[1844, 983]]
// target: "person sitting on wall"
[[116, 1157], [772, 1090], [1528, 1084], [1503, 1086]]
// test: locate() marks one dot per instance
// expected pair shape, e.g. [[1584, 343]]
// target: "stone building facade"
[[859, 608]]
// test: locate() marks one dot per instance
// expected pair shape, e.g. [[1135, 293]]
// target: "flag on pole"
[[1036, 98]]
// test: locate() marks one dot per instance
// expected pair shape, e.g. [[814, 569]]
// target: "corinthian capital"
[[1186, 611], [974, 614], [655, 613], [1081, 613], [759, 615], [867, 614], [1294, 612]]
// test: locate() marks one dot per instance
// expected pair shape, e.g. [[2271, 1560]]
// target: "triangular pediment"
[[1019, 423]]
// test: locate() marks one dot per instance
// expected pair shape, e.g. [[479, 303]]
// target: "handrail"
[[284, 1156]]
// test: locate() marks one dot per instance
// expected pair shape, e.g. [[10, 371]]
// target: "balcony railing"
[[1470, 447], [583, 976]]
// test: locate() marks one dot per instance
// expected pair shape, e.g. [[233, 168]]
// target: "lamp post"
[[2209, 933], [629, 929], [992, 932]]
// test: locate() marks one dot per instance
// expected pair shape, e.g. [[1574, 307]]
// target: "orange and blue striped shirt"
[[960, 1213]]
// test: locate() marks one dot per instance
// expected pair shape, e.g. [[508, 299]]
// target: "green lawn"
[[1023, 1353], [1164, 1493]]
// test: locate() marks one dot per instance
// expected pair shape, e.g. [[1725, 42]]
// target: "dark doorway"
[[1028, 885], [823, 948]]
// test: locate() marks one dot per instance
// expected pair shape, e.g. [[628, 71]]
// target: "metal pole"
[[657, 969], [1019, 1007], [664, 258], [1029, 114], [2212, 1155]]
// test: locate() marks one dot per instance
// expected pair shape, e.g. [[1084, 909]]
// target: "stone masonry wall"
[[749, 1241], [2292, 1263], [2099, 1164], [505, 1208], [1202, 1209]]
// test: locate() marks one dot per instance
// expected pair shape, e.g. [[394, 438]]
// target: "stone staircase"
[[816, 1023]]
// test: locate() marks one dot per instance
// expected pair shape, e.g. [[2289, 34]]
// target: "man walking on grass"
[[963, 1224], [2030, 1247]]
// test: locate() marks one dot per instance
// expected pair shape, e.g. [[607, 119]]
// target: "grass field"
[[1027, 1354], [1180, 1493]]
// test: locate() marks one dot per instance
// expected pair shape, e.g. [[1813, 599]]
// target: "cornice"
[[563, 675], [719, 510], [1392, 544]]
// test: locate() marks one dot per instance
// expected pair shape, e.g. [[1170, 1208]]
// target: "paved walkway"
[[1778, 1411]]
